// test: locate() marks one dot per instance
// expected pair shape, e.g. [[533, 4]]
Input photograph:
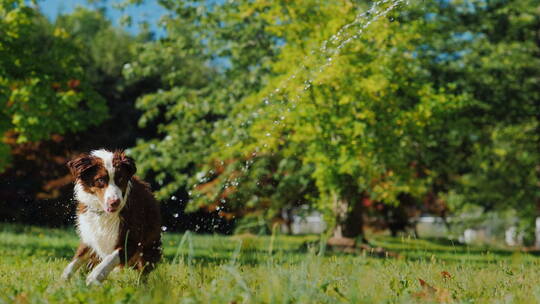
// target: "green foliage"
[[43, 86], [262, 106], [502, 172], [311, 103], [490, 52], [359, 114], [208, 62], [104, 48]]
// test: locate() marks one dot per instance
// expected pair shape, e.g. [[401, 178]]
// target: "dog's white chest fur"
[[99, 231]]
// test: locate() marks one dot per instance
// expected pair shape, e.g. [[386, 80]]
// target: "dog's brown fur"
[[139, 233]]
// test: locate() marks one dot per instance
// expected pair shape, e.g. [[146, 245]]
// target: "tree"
[[37, 170], [360, 113], [209, 60], [43, 87], [416, 102], [490, 51]]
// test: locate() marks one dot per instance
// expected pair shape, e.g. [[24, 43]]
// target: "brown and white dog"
[[118, 218]]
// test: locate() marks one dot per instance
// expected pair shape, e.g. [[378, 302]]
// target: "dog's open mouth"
[[111, 209]]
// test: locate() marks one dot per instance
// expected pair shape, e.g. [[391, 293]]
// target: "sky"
[[149, 11]]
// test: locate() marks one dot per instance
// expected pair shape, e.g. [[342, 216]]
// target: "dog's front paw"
[[93, 279], [65, 276]]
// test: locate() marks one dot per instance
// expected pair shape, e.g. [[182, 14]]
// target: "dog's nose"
[[113, 202]]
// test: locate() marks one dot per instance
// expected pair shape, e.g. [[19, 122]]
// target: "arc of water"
[[374, 12], [331, 54]]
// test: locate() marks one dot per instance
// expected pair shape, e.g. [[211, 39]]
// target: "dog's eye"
[[100, 182]]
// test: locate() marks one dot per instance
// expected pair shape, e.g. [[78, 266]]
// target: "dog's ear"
[[121, 160], [80, 165]]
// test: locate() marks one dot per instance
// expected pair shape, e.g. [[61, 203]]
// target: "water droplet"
[[164, 228], [139, 244], [175, 215], [173, 198]]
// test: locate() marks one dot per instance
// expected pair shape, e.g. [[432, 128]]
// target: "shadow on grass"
[[37, 250], [437, 241], [442, 245], [249, 257], [428, 249], [222, 252]]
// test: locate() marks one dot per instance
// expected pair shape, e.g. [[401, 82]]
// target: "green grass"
[[247, 269]]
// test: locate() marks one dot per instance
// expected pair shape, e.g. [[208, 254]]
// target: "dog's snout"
[[113, 202]]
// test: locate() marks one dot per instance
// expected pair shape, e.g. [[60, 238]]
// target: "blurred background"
[[347, 118]]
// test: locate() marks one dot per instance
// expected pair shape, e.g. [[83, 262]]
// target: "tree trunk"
[[354, 222], [349, 225], [340, 210]]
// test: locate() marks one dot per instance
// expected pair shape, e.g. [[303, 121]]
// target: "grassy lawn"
[[247, 269]]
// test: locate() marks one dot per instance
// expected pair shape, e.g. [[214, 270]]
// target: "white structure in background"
[[537, 233], [513, 237], [470, 235], [431, 226], [311, 223]]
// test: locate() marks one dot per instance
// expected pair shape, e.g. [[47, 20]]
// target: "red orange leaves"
[[446, 275], [432, 294]]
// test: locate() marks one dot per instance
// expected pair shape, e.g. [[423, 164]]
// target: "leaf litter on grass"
[[430, 293]]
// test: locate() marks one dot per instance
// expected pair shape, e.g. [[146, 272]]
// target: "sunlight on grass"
[[240, 269]]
